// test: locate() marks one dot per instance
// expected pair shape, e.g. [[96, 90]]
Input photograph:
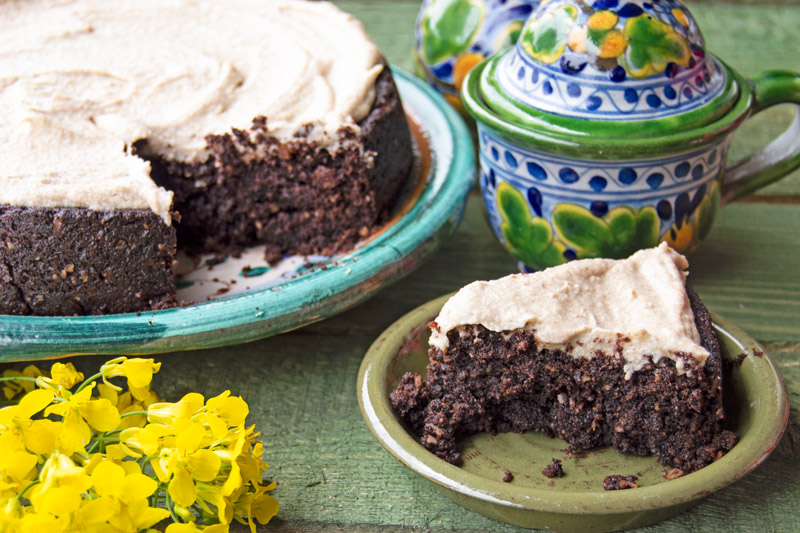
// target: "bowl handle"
[[782, 155]]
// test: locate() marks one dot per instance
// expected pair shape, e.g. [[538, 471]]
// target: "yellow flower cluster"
[[79, 455]]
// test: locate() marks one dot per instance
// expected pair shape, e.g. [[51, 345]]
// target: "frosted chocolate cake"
[[596, 352], [135, 127]]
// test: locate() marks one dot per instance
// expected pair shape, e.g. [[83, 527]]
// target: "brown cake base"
[[298, 198], [500, 382], [74, 261]]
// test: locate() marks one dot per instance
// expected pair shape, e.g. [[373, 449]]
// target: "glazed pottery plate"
[[756, 404], [244, 299]]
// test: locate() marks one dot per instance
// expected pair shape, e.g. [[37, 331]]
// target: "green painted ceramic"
[[417, 231], [607, 129], [756, 403]]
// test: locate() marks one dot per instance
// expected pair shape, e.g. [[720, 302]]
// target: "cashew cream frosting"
[[637, 306], [82, 80]]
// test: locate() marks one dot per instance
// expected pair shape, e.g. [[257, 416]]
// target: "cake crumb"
[[618, 482], [673, 473], [553, 469], [739, 359], [509, 477]]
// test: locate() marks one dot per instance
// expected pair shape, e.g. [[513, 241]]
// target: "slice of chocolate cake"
[[596, 352]]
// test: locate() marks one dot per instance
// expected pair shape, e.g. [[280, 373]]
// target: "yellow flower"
[[94, 514], [58, 501], [13, 388], [19, 436], [147, 440], [167, 413], [36, 523], [232, 409], [186, 462], [78, 410], [139, 373], [264, 507], [182, 528], [59, 494], [76, 474], [65, 375], [60, 471], [191, 527], [17, 467], [250, 464], [126, 488], [29, 405], [126, 403], [212, 494]]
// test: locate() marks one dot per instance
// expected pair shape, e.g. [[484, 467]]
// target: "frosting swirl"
[[82, 80]]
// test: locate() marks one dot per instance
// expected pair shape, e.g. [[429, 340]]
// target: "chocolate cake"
[[142, 126], [596, 352]]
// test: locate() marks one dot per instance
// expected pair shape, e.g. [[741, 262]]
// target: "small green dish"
[[756, 403]]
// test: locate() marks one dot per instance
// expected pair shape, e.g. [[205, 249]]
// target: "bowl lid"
[[615, 61]]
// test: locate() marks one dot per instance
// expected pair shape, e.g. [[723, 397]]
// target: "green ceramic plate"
[[756, 403], [239, 303]]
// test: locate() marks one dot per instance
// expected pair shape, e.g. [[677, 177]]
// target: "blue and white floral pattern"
[[613, 60], [671, 188], [597, 97]]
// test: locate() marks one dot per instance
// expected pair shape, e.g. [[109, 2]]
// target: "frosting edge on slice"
[[635, 307]]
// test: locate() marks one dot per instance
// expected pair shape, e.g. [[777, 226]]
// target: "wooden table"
[[332, 474]]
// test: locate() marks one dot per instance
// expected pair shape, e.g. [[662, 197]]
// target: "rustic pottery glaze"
[[607, 127], [577, 502], [452, 36]]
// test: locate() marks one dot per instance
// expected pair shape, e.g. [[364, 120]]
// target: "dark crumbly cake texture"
[[488, 381], [299, 199], [554, 469], [302, 200], [620, 482], [74, 261]]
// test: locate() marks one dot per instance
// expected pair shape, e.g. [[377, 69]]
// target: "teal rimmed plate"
[[756, 403], [239, 302]]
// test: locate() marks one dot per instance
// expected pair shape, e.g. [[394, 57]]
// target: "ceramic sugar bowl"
[[452, 36], [606, 129]]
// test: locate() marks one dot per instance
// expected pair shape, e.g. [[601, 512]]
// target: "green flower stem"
[[112, 440], [171, 509], [134, 413], [93, 447], [18, 378], [25, 489], [155, 497], [101, 443], [87, 381]]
